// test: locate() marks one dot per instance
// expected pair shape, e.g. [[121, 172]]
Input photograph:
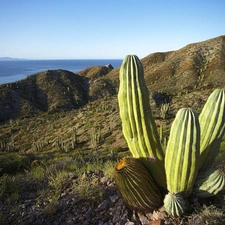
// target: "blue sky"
[[98, 29]]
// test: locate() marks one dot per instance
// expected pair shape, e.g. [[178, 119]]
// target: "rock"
[[38, 222], [114, 198], [109, 66], [70, 222], [28, 203], [104, 180], [156, 222], [160, 214], [104, 205], [143, 218], [130, 223]]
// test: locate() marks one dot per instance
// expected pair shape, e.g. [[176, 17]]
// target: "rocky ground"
[[70, 209]]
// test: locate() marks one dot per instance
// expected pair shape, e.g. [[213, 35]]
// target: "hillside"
[[197, 66], [184, 77], [49, 91], [87, 100], [194, 67]]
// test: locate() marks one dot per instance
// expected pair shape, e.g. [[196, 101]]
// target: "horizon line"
[[11, 58]]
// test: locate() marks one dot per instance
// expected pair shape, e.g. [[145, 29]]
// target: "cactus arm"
[[137, 120], [138, 124], [182, 153], [210, 182], [124, 110], [212, 123]]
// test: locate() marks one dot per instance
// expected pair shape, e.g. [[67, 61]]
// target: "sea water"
[[15, 70]]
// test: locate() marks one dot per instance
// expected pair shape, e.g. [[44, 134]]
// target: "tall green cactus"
[[138, 124], [136, 185], [182, 153], [212, 123]]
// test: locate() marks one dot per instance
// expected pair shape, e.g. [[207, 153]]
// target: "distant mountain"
[[196, 68], [52, 91]]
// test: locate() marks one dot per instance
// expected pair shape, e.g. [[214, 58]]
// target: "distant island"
[[8, 58]]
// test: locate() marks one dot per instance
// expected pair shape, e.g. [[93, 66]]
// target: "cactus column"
[[212, 123], [181, 160], [182, 153], [138, 124]]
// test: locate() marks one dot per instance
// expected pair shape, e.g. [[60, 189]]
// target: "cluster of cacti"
[[95, 137], [186, 166]]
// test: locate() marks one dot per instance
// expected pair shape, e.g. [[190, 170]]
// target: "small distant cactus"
[[74, 136], [164, 110], [193, 144]]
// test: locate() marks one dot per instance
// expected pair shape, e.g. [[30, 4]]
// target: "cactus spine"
[[138, 124], [212, 123], [182, 153], [136, 185]]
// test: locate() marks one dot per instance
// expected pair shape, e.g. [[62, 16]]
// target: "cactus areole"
[[138, 124]]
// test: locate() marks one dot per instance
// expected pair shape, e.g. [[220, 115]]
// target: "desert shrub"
[[12, 163], [207, 215], [9, 186]]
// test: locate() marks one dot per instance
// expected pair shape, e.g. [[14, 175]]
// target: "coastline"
[[15, 70]]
